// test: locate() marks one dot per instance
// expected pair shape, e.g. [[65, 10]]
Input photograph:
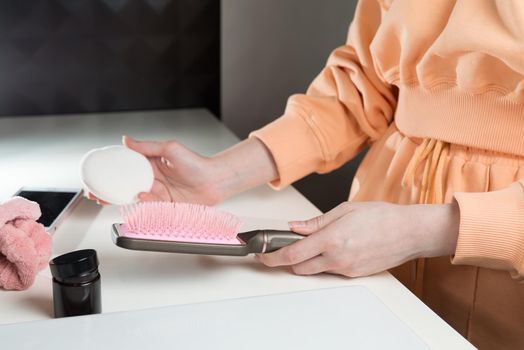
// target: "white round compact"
[[116, 174]]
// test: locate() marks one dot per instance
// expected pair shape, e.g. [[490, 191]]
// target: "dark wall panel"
[[73, 56]]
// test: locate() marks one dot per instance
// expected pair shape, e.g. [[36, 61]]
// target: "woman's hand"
[[363, 238], [180, 174], [185, 176]]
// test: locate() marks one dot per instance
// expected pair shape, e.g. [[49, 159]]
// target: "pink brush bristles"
[[181, 222]]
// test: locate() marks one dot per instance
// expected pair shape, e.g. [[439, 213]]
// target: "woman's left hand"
[[362, 238]]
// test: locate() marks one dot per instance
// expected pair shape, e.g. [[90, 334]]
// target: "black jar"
[[76, 284]]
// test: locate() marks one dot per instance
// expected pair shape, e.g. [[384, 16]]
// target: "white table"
[[45, 151]]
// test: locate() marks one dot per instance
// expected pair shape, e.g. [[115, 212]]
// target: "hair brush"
[[193, 229]]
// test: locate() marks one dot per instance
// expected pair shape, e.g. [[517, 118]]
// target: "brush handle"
[[265, 241], [276, 239]]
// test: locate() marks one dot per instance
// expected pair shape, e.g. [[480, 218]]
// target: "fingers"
[[148, 197], [159, 192], [313, 266], [317, 223], [147, 148], [92, 197], [295, 253], [308, 256], [310, 246], [161, 163]]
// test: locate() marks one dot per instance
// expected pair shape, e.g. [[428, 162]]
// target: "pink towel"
[[25, 246]]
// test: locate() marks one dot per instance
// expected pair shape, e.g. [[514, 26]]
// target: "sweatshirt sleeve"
[[491, 232], [345, 107]]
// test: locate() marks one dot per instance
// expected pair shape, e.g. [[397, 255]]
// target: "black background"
[[75, 56]]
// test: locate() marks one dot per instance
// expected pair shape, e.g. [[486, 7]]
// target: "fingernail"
[[297, 224]]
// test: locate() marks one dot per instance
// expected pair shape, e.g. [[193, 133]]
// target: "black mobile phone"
[[55, 203]]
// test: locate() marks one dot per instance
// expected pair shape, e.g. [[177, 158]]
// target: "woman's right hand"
[[182, 175]]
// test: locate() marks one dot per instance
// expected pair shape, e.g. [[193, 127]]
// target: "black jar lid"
[[79, 266]]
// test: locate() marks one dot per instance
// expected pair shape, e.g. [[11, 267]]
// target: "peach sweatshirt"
[[439, 85]]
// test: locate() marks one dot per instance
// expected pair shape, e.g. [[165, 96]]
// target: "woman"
[[436, 88]]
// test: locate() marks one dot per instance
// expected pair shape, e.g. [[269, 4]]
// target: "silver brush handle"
[[275, 239], [266, 241]]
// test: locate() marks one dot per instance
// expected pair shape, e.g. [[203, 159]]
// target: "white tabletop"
[[332, 318], [45, 151]]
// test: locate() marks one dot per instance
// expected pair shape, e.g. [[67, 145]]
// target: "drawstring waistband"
[[433, 153]]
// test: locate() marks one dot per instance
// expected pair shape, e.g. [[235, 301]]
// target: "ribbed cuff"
[[491, 230], [293, 145]]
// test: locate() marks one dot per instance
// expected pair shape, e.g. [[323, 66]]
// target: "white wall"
[[272, 49]]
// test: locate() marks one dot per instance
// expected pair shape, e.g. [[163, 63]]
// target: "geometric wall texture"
[[75, 56]]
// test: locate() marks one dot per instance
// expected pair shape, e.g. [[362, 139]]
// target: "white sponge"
[[116, 174]]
